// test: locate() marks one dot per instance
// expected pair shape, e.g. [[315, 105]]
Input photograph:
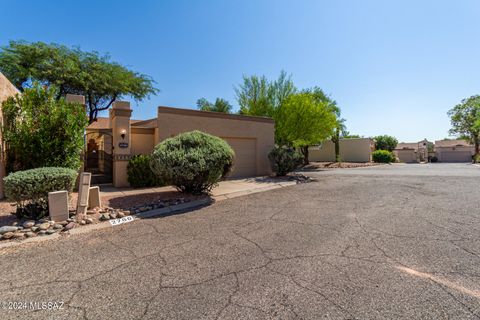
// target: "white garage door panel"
[[456, 156], [245, 164]]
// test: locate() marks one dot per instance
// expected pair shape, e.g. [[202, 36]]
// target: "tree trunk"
[[337, 150], [91, 116], [477, 150], [304, 151]]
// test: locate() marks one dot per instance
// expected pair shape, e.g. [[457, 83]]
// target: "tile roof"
[[407, 145]]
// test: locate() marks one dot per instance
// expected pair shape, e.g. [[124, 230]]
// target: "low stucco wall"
[[172, 121], [351, 150], [323, 153]]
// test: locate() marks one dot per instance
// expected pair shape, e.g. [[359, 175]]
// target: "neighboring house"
[[454, 150], [108, 152], [7, 89], [411, 152], [351, 150]]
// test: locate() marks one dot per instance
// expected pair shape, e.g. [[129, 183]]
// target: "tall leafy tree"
[[385, 142], [302, 121], [220, 105], [340, 127], [465, 120], [73, 71], [258, 96]]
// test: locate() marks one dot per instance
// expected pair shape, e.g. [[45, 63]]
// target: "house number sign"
[[123, 144]]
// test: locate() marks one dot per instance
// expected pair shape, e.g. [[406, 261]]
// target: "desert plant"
[[30, 188], [383, 156], [284, 159], [140, 174], [193, 161]]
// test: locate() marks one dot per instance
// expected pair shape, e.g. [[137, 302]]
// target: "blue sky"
[[394, 67]]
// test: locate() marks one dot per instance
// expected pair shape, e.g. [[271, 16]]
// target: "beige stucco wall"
[[7, 89], [356, 150], [172, 121], [143, 141], [351, 150], [322, 153]]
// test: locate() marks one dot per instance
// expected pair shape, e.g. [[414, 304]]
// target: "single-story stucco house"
[[112, 141], [351, 150], [454, 150], [411, 152]]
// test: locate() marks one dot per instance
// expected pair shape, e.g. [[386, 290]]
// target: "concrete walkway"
[[225, 189]]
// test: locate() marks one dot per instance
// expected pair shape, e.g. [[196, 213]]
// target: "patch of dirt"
[[297, 177]]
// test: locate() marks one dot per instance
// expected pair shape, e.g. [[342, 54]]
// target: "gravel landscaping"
[[332, 165]]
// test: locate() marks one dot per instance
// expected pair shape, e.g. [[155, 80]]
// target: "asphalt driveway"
[[391, 242]]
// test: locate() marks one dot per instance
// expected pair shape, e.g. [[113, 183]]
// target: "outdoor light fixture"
[[123, 133]]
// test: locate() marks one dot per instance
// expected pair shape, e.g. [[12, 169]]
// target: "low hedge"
[[193, 161], [383, 156], [284, 159], [30, 188], [140, 174]]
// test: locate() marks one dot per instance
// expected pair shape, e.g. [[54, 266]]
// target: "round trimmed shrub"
[[140, 174], [30, 188], [383, 156], [284, 159], [193, 162]]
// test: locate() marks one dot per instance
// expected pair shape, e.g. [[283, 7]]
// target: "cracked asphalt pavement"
[[390, 242]]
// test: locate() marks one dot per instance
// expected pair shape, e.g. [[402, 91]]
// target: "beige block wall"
[[172, 121], [351, 150]]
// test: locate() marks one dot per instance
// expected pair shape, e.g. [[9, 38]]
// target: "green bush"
[[140, 174], [476, 158], [383, 156], [193, 161], [40, 130], [284, 159], [30, 188]]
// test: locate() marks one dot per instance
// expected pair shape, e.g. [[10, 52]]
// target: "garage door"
[[456, 156], [407, 156], [245, 164]]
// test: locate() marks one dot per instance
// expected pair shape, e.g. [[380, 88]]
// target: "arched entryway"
[[98, 156]]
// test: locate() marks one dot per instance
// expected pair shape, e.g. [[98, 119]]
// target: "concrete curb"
[[166, 211]]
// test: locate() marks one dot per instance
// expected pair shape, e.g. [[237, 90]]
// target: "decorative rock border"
[[32, 228], [23, 229]]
